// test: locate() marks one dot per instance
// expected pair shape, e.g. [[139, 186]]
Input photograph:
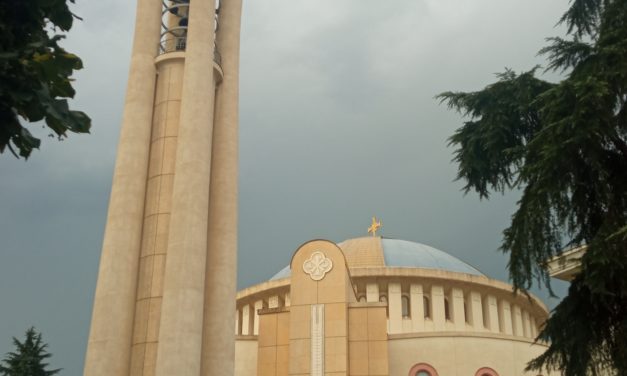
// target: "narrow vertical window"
[[427, 307], [406, 307], [384, 299]]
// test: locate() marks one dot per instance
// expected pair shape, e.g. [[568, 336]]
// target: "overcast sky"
[[338, 123]]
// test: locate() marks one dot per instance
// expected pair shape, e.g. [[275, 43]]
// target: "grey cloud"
[[338, 123]]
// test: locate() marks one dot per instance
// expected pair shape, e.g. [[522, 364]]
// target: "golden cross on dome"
[[374, 226]]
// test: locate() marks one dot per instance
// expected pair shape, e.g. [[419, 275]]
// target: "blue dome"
[[402, 253], [283, 273], [397, 253]]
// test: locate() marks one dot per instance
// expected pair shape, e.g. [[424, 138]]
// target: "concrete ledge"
[[245, 338], [267, 311], [392, 337], [366, 305], [566, 265]]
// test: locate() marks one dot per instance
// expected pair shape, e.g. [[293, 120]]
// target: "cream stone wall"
[[333, 292], [273, 343], [246, 356], [157, 214], [455, 302], [367, 336], [460, 354], [479, 307]]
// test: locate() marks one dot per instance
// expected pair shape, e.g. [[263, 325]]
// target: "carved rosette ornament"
[[317, 266]]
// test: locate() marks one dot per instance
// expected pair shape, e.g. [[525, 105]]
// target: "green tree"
[[28, 358], [564, 147], [35, 73]]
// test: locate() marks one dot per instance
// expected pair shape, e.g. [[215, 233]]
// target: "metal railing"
[[178, 44], [174, 20]]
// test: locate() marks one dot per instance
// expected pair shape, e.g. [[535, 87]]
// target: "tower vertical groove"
[[155, 306]]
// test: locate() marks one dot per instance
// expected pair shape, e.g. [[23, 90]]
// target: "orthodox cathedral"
[[379, 306]]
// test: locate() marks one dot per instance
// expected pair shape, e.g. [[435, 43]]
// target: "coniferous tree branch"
[[564, 146]]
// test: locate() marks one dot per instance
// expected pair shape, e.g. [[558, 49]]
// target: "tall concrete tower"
[[165, 298]]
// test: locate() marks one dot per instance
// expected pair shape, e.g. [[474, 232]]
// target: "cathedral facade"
[[378, 306]]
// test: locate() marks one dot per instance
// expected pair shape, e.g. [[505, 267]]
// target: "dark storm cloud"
[[338, 123]]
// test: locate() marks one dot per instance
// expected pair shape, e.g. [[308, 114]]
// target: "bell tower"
[[165, 294]]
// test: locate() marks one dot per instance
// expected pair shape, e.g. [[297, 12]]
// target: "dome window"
[[486, 371], [422, 369]]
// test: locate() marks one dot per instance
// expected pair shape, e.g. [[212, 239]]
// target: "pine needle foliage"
[[564, 146], [29, 357]]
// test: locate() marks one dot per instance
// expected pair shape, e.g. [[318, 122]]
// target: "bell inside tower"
[[174, 22]]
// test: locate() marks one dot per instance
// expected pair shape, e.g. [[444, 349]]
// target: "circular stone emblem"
[[317, 266]]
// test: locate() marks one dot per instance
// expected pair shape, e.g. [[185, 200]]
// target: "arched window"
[[486, 371], [447, 310], [422, 369], [362, 299], [427, 306], [383, 299], [406, 307]]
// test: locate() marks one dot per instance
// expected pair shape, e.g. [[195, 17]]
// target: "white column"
[[437, 307], [258, 306], [505, 316], [457, 305], [372, 292], [517, 321], [288, 300], [246, 318], [109, 344], [395, 311], [237, 321], [416, 297], [476, 311]]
